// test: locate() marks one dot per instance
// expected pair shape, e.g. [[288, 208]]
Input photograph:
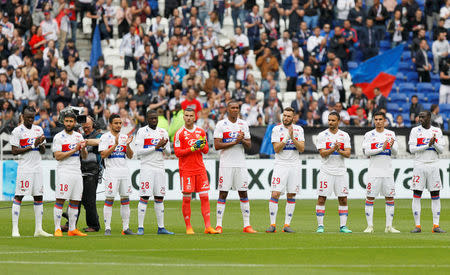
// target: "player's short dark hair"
[[70, 114], [29, 109], [189, 109], [232, 102], [379, 113], [336, 114], [289, 109], [151, 112], [112, 117], [427, 113]]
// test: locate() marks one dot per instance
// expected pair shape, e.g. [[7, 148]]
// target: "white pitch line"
[[209, 265], [217, 249]]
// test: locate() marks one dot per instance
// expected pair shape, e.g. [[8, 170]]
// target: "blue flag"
[[96, 50]]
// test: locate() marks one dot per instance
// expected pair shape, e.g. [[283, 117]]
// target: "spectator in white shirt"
[[209, 47], [91, 91], [20, 87], [445, 13], [36, 93], [50, 29], [252, 112], [440, 50], [242, 65], [184, 52], [15, 60], [284, 45], [7, 27], [343, 9], [315, 41], [130, 43], [241, 39]]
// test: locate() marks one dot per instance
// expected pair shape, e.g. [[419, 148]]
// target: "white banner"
[[260, 171]]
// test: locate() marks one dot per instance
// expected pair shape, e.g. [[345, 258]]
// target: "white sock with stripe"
[[389, 213], [142, 208], [368, 209], [273, 209], [290, 207]]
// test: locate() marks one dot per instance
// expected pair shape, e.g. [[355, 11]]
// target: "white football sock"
[[107, 214], [57, 214], [220, 211], [72, 212], [38, 213], [369, 212], [125, 213], [389, 213], [343, 215], [159, 211], [436, 209], [15, 214], [273, 209], [416, 209], [320, 213], [290, 207], [245, 209], [142, 208]]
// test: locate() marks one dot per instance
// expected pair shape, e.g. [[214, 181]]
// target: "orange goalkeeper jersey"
[[190, 163]]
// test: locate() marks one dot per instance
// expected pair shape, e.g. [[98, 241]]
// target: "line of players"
[[231, 136]]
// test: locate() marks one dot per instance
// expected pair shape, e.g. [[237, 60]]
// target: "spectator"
[[242, 65], [271, 28], [237, 12], [191, 102], [444, 90], [285, 46], [445, 13], [417, 23], [295, 14], [157, 74], [379, 15], [397, 29], [267, 63], [380, 100], [143, 76], [325, 99], [292, 67], [345, 118], [333, 81], [326, 13], [389, 117], [241, 39], [272, 113], [140, 9], [101, 73], [358, 95], [436, 118], [176, 99], [399, 123], [369, 39], [308, 79], [311, 8], [220, 63], [251, 111], [36, 93], [440, 50], [130, 42], [343, 8], [183, 52], [91, 91], [20, 87], [423, 66], [206, 124], [360, 119], [176, 73], [212, 82], [415, 109], [50, 29], [269, 83], [316, 42], [45, 122], [299, 104], [357, 16]]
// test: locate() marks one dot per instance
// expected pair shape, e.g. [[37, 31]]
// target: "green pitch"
[[233, 251]]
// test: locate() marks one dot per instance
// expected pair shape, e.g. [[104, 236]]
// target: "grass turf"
[[233, 251]]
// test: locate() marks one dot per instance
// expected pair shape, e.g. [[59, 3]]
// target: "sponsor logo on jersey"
[[27, 142], [151, 142], [289, 144], [191, 142], [379, 145], [425, 141], [229, 137], [329, 145], [68, 147], [119, 152]]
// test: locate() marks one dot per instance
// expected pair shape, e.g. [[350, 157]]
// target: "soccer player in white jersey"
[[152, 143], [67, 147], [231, 136], [114, 148], [288, 140], [28, 141], [426, 142], [379, 144], [334, 146]]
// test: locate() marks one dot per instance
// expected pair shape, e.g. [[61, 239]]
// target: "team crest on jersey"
[[191, 142]]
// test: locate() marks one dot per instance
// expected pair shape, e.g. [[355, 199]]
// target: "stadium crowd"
[[304, 47]]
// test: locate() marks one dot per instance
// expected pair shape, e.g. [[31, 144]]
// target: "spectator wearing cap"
[[7, 26], [176, 72], [101, 73], [50, 27]]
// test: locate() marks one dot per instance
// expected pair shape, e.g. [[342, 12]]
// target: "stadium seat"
[[130, 74], [352, 65], [433, 98], [406, 88], [404, 107], [422, 97], [412, 77], [426, 106], [406, 56], [437, 85], [444, 108], [399, 76], [385, 45], [392, 107], [398, 98], [425, 87], [404, 67], [289, 96], [435, 78]]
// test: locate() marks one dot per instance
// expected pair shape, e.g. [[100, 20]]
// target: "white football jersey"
[[146, 139], [289, 156], [334, 164], [380, 164], [115, 163], [228, 132], [418, 144], [63, 142], [23, 137]]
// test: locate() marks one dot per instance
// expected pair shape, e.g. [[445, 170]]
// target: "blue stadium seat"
[[405, 115], [392, 107], [352, 65], [412, 77], [404, 107], [394, 88], [425, 87], [397, 98], [406, 56], [422, 97], [435, 78], [404, 67], [399, 76], [433, 98], [384, 45], [426, 106], [437, 85], [406, 88], [444, 108]]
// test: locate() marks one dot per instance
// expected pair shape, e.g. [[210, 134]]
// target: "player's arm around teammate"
[[288, 141], [25, 140], [379, 144]]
